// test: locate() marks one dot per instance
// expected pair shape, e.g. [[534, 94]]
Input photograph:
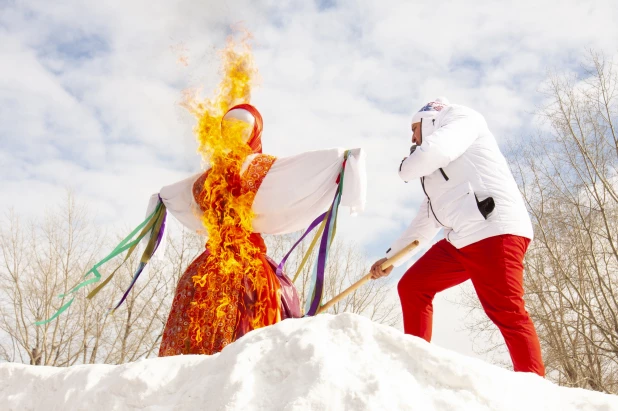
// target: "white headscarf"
[[428, 114]]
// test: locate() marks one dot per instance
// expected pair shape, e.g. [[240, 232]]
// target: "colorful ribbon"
[[151, 248], [326, 234], [154, 225], [314, 224]]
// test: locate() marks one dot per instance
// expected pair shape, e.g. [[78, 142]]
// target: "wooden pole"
[[391, 261]]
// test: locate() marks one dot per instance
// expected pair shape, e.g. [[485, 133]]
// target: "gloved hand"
[[412, 149]]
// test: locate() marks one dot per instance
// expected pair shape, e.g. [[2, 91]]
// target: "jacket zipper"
[[429, 201], [443, 174]]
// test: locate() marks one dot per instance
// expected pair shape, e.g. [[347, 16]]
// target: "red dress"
[[221, 324]]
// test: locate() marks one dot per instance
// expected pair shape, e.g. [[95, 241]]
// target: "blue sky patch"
[[82, 47]]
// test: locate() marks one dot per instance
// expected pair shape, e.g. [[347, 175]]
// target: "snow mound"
[[342, 362]]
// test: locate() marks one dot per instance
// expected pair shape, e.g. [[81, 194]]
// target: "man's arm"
[[422, 228], [451, 140]]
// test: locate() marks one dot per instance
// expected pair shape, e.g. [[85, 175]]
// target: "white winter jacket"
[[461, 170]]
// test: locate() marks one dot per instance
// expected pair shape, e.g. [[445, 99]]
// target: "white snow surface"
[[342, 362]]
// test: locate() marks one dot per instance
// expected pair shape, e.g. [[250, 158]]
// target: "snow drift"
[[342, 362]]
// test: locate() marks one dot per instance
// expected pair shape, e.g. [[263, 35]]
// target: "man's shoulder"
[[458, 109], [455, 112]]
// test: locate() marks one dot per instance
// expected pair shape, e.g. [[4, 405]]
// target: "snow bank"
[[342, 362]]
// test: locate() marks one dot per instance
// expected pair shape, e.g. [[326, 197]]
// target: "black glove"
[[411, 151]]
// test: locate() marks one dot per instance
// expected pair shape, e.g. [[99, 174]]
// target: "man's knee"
[[412, 292], [508, 315], [403, 288], [408, 284]]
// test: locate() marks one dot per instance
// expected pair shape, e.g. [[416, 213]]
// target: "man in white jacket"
[[472, 195]]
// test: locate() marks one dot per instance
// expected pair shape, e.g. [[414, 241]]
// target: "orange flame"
[[220, 282], [181, 52]]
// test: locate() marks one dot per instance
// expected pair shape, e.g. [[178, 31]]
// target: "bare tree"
[[569, 180], [39, 262], [42, 260]]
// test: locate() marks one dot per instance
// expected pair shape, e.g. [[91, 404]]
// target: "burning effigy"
[[233, 287]]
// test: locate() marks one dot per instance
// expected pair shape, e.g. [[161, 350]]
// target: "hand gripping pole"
[[401, 254]]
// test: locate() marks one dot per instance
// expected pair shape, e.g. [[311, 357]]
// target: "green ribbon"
[[127, 244], [153, 226]]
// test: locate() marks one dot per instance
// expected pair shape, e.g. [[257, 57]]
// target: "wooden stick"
[[391, 261]]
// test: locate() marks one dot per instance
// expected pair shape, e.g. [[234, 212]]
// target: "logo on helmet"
[[433, 106]]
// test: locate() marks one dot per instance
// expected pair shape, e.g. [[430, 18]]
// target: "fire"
[[228, 215], [181, 52]]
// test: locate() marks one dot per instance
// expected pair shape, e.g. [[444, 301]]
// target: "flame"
[[219, 283], [181, 52]]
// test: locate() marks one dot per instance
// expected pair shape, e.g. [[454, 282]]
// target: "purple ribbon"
[[313, 225], [142, 265], [323, 254], [319, 281], [324, 244]]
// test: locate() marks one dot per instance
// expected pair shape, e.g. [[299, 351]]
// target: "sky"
[[90, 92]]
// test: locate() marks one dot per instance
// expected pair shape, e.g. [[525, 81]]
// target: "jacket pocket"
[[458, 208]]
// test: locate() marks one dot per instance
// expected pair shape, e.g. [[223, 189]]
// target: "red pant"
[[495, 266]]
